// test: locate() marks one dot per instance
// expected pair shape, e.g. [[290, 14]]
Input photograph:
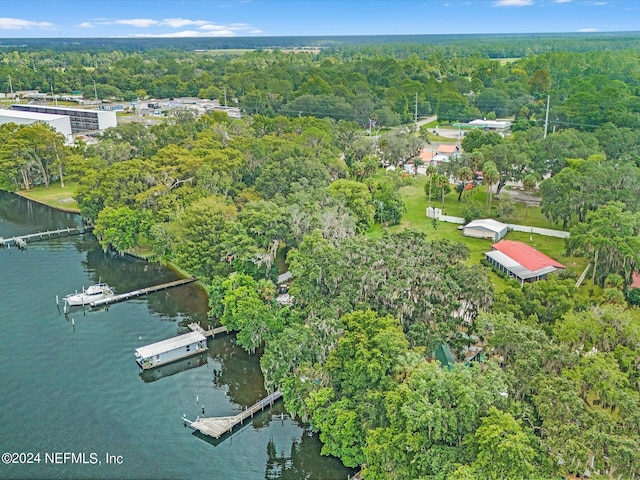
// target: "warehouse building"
[[82, 120], [61, 123]]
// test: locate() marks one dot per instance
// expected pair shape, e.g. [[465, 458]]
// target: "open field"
[[416, 202], [54, 196], [504, 61]]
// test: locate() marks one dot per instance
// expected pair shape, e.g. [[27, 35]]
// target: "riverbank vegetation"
[[377, 345]]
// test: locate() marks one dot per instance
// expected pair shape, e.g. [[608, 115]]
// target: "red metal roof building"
[[522, 262]]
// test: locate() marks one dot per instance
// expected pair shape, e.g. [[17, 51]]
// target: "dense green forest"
[[297, 184]]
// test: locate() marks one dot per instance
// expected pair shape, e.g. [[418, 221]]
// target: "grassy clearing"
[[416, 202], [54, 196], [431, 124], [504, 61], [225, 51]]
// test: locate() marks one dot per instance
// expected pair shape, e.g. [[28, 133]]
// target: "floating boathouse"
[[170, 350]]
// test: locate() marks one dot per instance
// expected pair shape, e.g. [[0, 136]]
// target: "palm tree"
[[490, 176], [431, 172], [441, 182], [465, 174]]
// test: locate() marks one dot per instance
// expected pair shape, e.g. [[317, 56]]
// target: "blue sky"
[[228, 18]]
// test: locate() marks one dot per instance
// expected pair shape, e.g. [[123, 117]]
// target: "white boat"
[[91, 294]]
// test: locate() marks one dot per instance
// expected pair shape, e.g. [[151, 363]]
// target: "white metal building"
[[82, 120], [172, 349], [486, 228], [60, 123]]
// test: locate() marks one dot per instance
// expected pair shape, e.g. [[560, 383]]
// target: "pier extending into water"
[[218, 426], [143, 291], [195, 327], [21, 241]]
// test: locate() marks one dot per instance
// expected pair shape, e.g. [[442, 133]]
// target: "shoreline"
[[170, 265], [23, 194]]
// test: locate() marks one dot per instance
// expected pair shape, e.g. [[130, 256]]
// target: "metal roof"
[[284, 277], [29, 115], [170, 344], [525, 255], [489, 224], [516, 268]]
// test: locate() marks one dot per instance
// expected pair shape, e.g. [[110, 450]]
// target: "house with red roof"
[[522, 262], [429, 157], [446, 149]]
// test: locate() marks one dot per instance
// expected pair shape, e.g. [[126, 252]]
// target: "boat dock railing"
[[218, 426], [143, 291], [21, 241]]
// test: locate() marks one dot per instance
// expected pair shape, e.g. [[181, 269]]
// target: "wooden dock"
[[195, 327], [218, 426], [143, 291], [21, 241]]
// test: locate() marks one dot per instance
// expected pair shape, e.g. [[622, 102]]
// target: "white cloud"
[[138, 22], [512, 3], [212, 27], [562, 1], [587, 30], [181, 22], [185, 33], [7, 23], [599, 4], [205, 28], [86, 25]]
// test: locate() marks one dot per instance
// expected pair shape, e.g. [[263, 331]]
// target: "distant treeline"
[[493, 45]]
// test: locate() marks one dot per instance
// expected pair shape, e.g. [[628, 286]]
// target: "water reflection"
[[82, 389], [304, 452], [22, 213], [125, 274], [237, 371], [171, 369]]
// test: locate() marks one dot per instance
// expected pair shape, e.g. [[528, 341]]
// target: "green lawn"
[[416, 202], [54, 196]]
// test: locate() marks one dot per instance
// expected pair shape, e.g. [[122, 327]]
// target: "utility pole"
[[10, 86], [416, 114], [95, 91], [546, 118], [54, 96]]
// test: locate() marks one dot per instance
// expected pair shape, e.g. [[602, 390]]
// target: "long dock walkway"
[[21, 240], [195, 327], [217, 426], [143, 291]]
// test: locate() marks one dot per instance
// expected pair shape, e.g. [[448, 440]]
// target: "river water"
[[73, 401]]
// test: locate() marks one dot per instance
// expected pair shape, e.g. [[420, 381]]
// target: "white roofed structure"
[[171, 349], [486, 228], [82, 119], [60, 123], [170, 344]]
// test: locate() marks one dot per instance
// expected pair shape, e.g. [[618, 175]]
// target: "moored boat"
[[93, 293]]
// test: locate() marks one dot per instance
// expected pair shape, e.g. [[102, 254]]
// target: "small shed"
[[170, 350], [486, 228]]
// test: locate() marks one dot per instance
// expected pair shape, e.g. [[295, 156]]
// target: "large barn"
[[522, 262], [486, 228]]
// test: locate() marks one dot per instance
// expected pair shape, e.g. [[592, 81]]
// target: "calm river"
[[72, 399]]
